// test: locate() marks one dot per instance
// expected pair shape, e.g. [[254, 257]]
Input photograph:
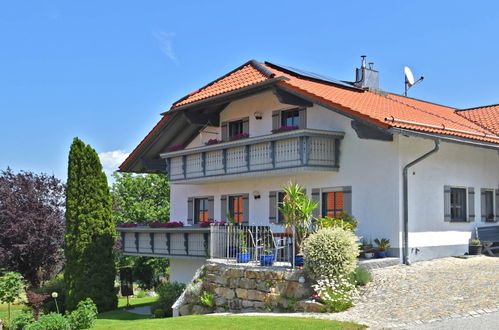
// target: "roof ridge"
[[440, 116], [420, 100]]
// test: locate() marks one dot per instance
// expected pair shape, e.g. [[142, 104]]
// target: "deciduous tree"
[[32, 224]]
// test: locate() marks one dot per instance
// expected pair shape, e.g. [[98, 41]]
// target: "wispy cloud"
[[111, 160], [165, 41]]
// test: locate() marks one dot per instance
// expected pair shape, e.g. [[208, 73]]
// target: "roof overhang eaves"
[[445, 138]]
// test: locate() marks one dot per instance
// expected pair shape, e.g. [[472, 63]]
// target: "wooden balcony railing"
[[305, 149]]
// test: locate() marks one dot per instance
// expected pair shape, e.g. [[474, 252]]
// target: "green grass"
[[136, 301], [123, 320], [14, 310]]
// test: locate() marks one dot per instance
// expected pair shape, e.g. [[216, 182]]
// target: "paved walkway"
[[427, 292]]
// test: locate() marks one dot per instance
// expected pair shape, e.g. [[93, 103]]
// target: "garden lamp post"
[[54, 295]]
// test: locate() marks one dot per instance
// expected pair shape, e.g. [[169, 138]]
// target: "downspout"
[[405, 251]]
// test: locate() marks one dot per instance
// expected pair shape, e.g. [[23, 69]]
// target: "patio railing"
[[250, 244]]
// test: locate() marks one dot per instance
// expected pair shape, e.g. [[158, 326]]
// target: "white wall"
[[454, 165], [182, 269], [370, 167]]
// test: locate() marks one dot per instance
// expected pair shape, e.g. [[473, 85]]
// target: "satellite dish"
[[409, 77]]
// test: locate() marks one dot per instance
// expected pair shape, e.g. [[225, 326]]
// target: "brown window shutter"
[[190, 210], [276, 119], [471, 204], [246, 209], [273, 207]]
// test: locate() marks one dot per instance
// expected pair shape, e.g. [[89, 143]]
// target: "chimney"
[[366, 77]]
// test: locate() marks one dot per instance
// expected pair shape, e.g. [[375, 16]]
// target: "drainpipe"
[[405, 251]]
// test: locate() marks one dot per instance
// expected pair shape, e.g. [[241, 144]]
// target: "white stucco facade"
[[373, 170]]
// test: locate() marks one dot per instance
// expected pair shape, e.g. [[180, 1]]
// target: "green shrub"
[[344, 221], [168, 293], [360, 276], [207, 299], [336, 292], [20, 321], [83, 316], [51, 321], [330, 252], [55, 285]]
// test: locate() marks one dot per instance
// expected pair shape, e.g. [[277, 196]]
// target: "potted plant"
[[267, 258], [475, 247], [242, 255], [383, 245], [297, 210]]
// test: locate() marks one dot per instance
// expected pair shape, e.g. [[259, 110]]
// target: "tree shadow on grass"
[[120, 314]]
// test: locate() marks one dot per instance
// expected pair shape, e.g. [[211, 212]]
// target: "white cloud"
[[165, 40], [111, 160]]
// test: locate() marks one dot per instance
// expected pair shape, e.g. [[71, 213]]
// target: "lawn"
[[14, 310], [123, 320]]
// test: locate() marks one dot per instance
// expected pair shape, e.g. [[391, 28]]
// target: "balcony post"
[[168, 243], [224, 160], [186, 243], [168, 166], [123, 241], [301, 140], [137, 242], [246, 157], [151, 241], [308, 149], [203, 162], [184, 166], [272, 153]]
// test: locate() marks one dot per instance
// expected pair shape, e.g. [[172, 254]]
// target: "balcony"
[[281, 153], [190, 242]]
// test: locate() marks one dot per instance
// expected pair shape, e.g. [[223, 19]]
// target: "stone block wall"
[[237, 288]]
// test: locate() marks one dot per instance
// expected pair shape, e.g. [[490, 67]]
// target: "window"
[[332, 204], [235, 127], [458, 204], [489, 205], [201, 212], [236, 208], [290, 118]]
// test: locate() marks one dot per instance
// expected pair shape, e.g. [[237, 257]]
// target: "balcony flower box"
[[128, 225], [211, 222], [239, 136], [171, 224], [176, 147], [284, 129], [212, 141]]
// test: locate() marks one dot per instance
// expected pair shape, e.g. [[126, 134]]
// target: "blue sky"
[[104, 70]]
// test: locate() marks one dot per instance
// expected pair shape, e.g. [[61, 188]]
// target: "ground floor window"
[[236, 208], [332, 204], [458, 204], [201, 211]]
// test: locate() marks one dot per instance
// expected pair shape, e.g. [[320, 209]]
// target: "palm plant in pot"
[[383, 246], [297, 209], [475, 247]]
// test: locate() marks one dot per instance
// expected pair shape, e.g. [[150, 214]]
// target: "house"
[[422, 174]]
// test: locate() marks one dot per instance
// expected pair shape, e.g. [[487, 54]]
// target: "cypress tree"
[[90, 232]]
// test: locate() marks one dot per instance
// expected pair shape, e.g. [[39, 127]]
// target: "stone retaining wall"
[[248, 289]]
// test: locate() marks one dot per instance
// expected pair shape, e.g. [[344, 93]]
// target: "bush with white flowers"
[[330, 252], [337, 292]]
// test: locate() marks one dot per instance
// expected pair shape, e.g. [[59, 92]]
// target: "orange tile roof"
[[486, 116], [244, 76]]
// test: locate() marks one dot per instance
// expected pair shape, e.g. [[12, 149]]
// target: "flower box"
[[128, 225], [284, 129], [212, 141], [211, 222], [171, 224], [239, 136], [175, 147]]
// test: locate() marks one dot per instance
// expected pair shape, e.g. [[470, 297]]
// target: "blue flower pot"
[[380, 254], [298, 261], [267, 260], [243, 257]]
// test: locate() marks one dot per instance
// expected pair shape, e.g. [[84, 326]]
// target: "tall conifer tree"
[[90, 231]]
